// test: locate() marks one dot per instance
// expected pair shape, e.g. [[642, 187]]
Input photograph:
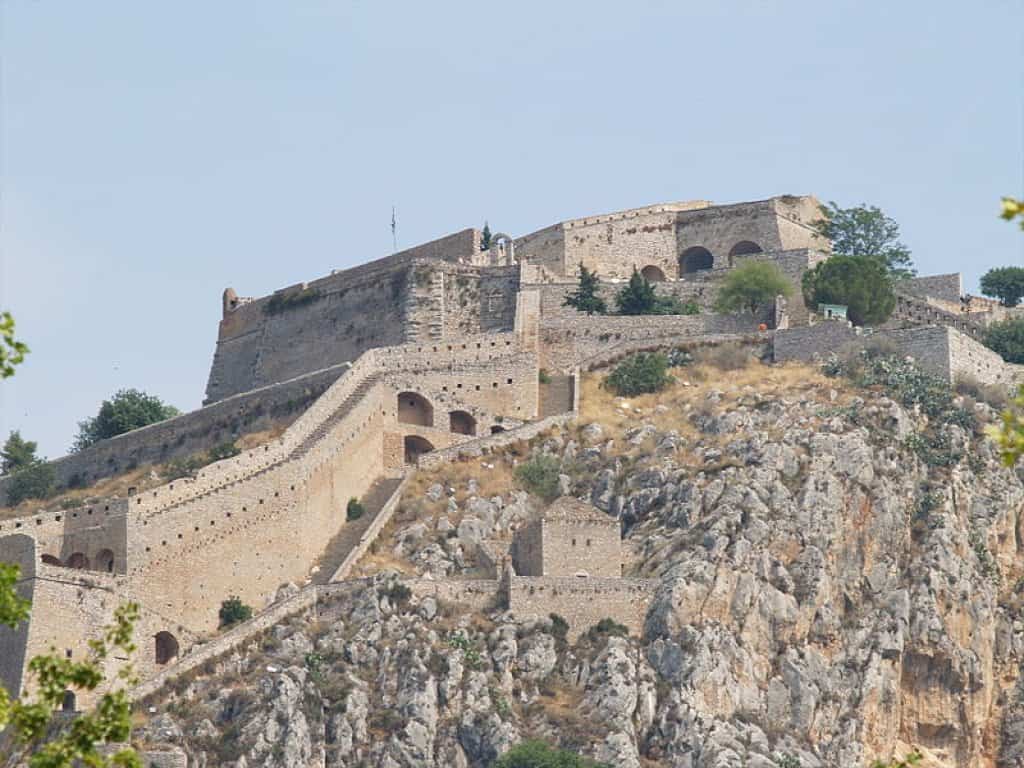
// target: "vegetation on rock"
[[234, 611], [128, 409], [354, 510], [539, 475], [751, 287], [642, 373], [862, 285], [538, 754]]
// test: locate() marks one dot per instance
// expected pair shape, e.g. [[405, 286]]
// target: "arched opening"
[[414, 408], [497, 429], [104, 561], [745, 248], [166, 647], [51, 560], [462, 423], [67, 704], [77, 560], [653, 274], [696, 259], [416, 446]]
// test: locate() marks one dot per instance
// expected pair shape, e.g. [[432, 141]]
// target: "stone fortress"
[[413, 359]]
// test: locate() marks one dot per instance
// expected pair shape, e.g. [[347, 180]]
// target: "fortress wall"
[[193, 432], [260, 533], [19, 550], [946, 287], [567, 343], [478, 300], [473, 594], [482, 445], [613, 246], [812, 342], [544, 248], [582, 546], [582, 602], [798, 216], [968, 357]]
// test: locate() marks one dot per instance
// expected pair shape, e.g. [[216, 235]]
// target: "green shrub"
[[559, 627], [642, 373], [543, 376], [1007, 338], [539, 475], [607, 628], [637, 297], [234, 611], [538, 754], [354, 510], [184, 467], [751, 287], [34, 481], [224, 450]]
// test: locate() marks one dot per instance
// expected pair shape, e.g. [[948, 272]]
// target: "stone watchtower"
[[569, 538]]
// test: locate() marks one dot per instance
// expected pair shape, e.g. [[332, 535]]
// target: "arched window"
[[166, 647], [78, 560], [653, 274], [51, 560], [414, 408], [745, 248], [416, 446], [104, 561], [696, 259], [68, 702], [462, 423]]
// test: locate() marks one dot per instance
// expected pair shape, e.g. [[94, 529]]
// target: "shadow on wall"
[[413, 408], [416, 446]]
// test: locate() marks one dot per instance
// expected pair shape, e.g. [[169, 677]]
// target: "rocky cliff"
[[838, 579]]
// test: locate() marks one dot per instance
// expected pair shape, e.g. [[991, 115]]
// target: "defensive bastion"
[[374, 370]]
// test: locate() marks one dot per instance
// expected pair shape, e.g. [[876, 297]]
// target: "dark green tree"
[[640, 374], [485, 237], [538, 754], [17, 453], [233, 611], [128, 409], [1005, 284], [862, 285], [1007, 338], [637, 297], [750, 287], [865, 231], [35, 481], [585, 298]]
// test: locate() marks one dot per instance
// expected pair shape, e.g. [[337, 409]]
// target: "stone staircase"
[[337, 548], [337, 415], [556, 395]]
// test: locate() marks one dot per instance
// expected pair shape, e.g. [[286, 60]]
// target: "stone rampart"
[[370, 535], [472, 594], [946, 287], [582, 602]]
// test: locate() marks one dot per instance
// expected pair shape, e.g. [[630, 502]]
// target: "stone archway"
[[104, 561], [745, 248], [653, 274], [165, 647], [695, 259], [414, 408], [462, 423], [51, 560], [77, 560], [416, 446]]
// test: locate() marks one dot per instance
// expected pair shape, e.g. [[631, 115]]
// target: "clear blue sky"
[[155, 153]]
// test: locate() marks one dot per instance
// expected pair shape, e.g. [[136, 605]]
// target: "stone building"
[[365, 370]]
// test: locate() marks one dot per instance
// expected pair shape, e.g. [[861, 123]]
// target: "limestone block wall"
[[946, 287], [582, 602], [193, 432], [814, 342], [472, 594], [574, 547], [19, 550]]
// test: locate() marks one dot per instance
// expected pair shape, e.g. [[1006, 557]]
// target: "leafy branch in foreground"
[[12, 351], [28, 720], [1009, 435]]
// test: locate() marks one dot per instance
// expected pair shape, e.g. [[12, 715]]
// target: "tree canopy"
[[864, 230], [751, 286], [17, 453], [538, 754], [637, 297], [585, 298], [1005, 284], [862, 285], [128, 409], [1007, 338], [485, 237]]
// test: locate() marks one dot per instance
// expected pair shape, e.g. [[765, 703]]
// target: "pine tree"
[[485, 238], [637, 297], [585, 297], [17, 454]]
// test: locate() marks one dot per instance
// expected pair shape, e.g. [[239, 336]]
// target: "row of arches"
[[414, 408], [700, 259], [103, 561]]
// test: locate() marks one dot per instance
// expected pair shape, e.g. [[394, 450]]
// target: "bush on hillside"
[[640, 374], [860, 284], [1007, 338], [354, 510], [234, 611], [538, 754], [751, 287], [539, 475], [35, 481], [128, 409]]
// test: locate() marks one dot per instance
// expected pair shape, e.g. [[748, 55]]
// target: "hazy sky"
[[154, 153]]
